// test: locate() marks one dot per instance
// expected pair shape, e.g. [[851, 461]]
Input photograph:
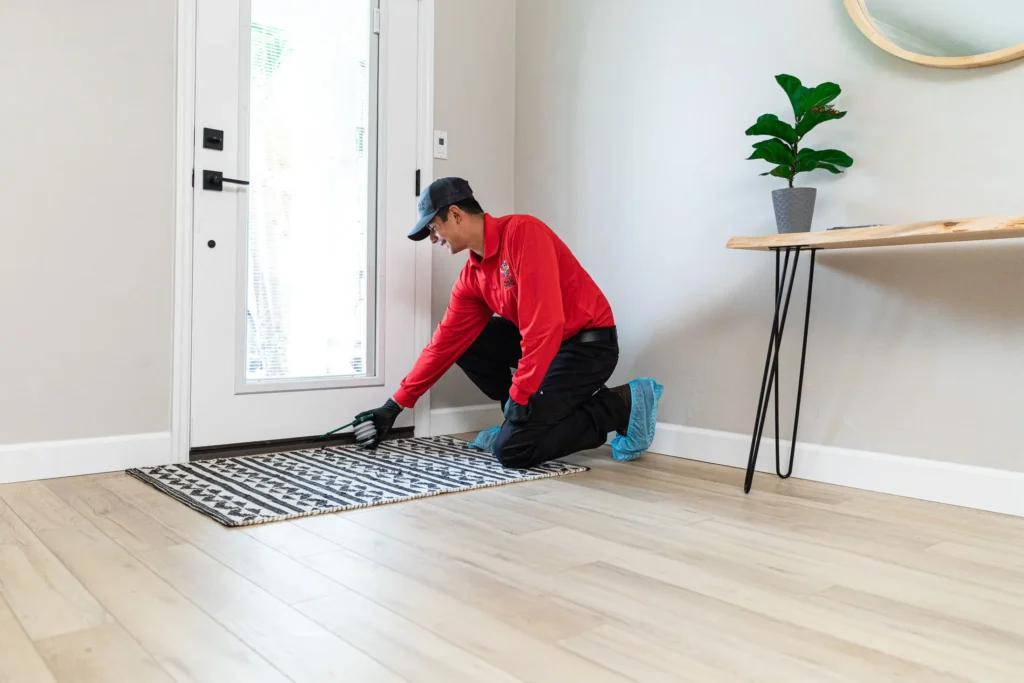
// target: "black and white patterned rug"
[[243, 491]]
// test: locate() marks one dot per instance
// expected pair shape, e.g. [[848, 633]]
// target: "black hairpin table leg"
[[770, 377]]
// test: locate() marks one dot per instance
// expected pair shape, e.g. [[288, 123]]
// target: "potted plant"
[[794, 206]]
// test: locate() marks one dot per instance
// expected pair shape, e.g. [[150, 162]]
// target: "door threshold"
[[282, 445]]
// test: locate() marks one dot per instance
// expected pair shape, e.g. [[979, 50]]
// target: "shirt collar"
[[491, 240]]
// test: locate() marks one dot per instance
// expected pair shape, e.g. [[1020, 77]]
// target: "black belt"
[[596, 334]]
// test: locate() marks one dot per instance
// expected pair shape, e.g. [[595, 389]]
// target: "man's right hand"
[[383, 419], [516, 413]]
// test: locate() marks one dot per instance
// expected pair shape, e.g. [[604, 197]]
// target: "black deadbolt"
[[211, 244], [213, 139]]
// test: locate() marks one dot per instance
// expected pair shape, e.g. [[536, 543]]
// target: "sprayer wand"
[[357, 421]]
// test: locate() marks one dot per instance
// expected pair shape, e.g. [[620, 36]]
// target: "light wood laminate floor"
[[656, 570]]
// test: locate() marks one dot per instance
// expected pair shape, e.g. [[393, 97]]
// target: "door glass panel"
[[310, 254]]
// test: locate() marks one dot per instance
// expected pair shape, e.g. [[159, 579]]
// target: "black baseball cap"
[[439, 194]]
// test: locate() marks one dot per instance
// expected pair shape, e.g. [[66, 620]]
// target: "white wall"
[[86, 188], [474, 102], [629, 142]]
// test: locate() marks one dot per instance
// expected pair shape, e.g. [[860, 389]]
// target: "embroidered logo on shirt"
[[506, 276]]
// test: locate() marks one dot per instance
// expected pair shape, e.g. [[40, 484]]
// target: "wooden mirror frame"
[[858, 11]]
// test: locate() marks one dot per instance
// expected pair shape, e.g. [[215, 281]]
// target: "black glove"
[[382, 419], [516, 413]]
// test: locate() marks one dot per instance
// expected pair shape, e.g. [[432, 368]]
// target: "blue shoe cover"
[[643, 418], [485, 439]]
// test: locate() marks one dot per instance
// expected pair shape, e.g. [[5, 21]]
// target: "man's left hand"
[[516, 413]]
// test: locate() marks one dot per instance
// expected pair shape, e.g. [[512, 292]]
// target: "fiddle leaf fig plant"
[[811, 107]]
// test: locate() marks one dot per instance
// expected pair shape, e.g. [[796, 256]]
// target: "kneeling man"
[[554, 327]]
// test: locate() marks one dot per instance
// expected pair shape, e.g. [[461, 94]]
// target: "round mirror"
[[956, 34]]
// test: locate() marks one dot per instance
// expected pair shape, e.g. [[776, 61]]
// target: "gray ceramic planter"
[[794, 208]]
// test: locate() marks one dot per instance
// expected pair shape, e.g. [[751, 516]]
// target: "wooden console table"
[[791, 245]]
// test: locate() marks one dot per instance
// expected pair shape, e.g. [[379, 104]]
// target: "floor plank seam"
[[402, 617], [135, 555], [78, 578], [474, 607], [296, 605], [28, 639]]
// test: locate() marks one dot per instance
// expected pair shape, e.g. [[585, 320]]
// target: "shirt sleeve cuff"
[[519, 396], [404, 399]]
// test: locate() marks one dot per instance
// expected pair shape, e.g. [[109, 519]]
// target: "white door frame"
[[181, 364]]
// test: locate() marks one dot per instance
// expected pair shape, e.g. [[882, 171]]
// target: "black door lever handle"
[[214, 181]]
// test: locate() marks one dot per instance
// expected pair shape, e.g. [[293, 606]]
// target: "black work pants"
[[572, 410]]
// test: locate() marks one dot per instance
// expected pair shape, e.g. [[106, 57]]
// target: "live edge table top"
[[930, 232]]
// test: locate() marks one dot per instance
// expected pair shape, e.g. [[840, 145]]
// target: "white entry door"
[[305, 158]]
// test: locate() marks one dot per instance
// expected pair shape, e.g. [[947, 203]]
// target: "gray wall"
[[86, 201], [474, 101], [629, 142]]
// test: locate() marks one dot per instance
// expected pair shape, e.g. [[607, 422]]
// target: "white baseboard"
[[980, 488], [467, 419], [52, 459]]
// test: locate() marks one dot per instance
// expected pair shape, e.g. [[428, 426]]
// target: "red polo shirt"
[[527, 276]]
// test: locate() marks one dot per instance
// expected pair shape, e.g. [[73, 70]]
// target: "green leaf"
[[774, 151], [769, 124], [821, 95], [796, 91], [828, 167], [828, 156], [781, 172], [812, 118]]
